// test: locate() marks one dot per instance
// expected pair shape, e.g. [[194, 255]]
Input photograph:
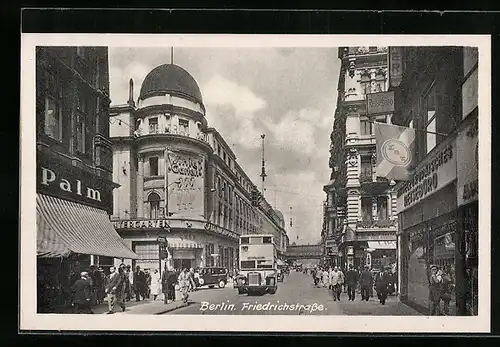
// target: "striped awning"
[[65, 227]]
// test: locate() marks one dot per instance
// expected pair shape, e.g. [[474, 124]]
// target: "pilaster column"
[[140, 188], [394, 204], [374, 208], [352, 208]]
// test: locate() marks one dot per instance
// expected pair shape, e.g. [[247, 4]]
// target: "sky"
[[288, 94]]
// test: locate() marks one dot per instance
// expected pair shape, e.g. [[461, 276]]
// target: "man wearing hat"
[[365, 282], [382, 284], [435, 290], [82, 294]]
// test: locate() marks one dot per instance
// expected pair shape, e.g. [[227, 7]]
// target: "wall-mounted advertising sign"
[[221, 231], [380, 103], [434, 174], [185, 183], [468, 164], [395, 66], [142, 224], [60, 179]]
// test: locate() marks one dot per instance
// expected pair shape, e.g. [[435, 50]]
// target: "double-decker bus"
[[257, 267]]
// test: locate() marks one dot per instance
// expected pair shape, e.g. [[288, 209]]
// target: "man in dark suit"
[[366, 282], [351, 280], [115, 289], [382, 285], [82, 294], [139, 284]]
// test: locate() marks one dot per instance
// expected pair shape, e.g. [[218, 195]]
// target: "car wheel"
[[272, 291], [241, 291], [222, 284]]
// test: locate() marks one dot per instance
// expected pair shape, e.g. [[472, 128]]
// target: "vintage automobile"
[[211, 276]]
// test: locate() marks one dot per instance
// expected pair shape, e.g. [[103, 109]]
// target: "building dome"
[[279, 214], [170, 79]]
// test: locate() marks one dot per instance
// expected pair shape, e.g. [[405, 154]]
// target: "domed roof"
[[170, 78]]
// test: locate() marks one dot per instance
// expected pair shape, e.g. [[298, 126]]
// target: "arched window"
[[154, 205]]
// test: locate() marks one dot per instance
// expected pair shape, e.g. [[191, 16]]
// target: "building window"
[[383, 212], [153, 166], [154, 205], [366, 127], [224, 157], [226, 216], [366, 169], [365, 84], [153, 125], [366, 209], [83, 133], [184, 127], [220, 216], [53, 118], [430, 118]]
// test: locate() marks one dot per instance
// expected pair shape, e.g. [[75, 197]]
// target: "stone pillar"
[[374, 208], [140, 188], [393, 206]]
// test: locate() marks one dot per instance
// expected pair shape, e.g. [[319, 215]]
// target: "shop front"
[[381, 254], [468, 212], [73, 229], [428, 225], [191, 243]]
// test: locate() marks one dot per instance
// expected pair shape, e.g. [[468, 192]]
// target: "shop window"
[[366, 209], [154, 205], [153, 125], [366, 169], [153, 166], [366, 127], [382, 208], [146, 250], [184, 127]]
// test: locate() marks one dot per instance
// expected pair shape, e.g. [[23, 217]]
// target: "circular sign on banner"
[[396, 152]]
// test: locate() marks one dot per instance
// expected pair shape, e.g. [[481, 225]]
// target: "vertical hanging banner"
[[395, 66], [185, 183]]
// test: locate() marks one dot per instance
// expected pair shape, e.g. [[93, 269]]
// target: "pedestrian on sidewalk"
[[139, 284], [155, 284], [435, 282], [326, 278], [115, 289], [382, 285], [352, 281], [446, 289], [129, 284], [147, 286], [366, 283], [184, 284], [336, 281], [82, 294]]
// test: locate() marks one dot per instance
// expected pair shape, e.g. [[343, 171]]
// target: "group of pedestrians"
[[335, 280]]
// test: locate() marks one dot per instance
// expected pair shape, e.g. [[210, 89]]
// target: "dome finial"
[[172, 55]]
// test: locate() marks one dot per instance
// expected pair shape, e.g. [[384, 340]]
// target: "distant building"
[[180, 180], [74, 171], [360, 211]]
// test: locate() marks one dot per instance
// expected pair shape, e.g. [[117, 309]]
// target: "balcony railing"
[[381, 223]]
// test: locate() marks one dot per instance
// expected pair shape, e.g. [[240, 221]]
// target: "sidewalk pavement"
[[393, 307], [147, 307]]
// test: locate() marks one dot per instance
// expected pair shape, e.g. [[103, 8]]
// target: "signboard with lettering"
[[380, 103], [221, 231], [395, 66], [468, 164], [185, 183], [60, 179], [142, 224], [434, 174]]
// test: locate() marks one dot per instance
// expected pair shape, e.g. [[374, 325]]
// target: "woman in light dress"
[[155, 284], [326, 277]]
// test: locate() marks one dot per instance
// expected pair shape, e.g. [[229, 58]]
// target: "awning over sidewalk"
[[65, 227], [382, 244]]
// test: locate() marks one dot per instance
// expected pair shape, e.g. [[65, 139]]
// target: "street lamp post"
[[162, 243]]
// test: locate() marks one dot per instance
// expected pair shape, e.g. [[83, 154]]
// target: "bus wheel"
[[222, 284]]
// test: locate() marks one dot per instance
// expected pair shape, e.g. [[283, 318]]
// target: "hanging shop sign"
[[468, 164], [185, 183], [435, 173], [60, 179], [395, 66], [142, 224], [380, 103]]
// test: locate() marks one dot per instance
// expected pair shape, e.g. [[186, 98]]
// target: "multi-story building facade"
[[436, 93], [360, 209], [179, 178], [74, 171]]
